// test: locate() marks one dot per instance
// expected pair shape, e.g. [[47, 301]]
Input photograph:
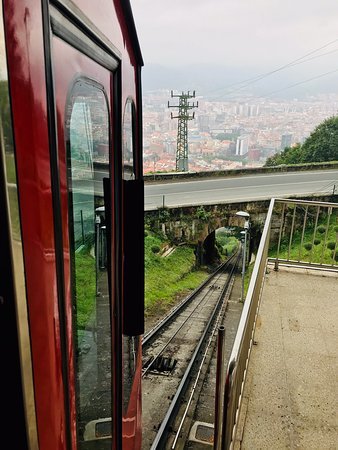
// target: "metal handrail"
[[319, 209], [240, 354]]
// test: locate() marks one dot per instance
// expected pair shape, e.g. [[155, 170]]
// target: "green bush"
[[308, 246], [331, 245], [155, 248], [335, 256], [202, 214], [163, 215], [165, 278], [146, 233], [321, 229], [336, 228], [317, 241]]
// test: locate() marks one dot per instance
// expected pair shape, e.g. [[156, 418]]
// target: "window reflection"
[[128, 143], [87, 145]]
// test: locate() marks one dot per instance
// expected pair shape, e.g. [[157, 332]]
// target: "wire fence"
[[84, 228]]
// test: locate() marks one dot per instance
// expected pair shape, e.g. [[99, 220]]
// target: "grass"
[[10, 168], [85, 289], [12, 193], [168, 278], [227, 245], [14, 211]]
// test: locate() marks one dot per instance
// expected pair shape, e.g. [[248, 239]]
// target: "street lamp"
[[246, 216]]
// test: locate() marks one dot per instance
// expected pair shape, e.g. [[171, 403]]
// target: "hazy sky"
[[240, 33]]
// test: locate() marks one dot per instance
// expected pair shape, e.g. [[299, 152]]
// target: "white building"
[[242, 145]]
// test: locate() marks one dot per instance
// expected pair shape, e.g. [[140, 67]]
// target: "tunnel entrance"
[[210, 251], [217, 246]]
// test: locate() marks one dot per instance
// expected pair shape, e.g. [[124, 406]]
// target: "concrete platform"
[[291, 394]]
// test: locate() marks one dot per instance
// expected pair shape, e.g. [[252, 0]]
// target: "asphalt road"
[[230, 190], [240, 188]]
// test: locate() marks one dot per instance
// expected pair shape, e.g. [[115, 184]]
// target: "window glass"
[[128, 143], [87, 139]]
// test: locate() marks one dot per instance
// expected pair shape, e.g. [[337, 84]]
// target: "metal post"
[[82, 227], [243, 260], [246, 216], [182, 132], [245, 245], [243, 265], [279, 238], [97, 251], [220, 384]]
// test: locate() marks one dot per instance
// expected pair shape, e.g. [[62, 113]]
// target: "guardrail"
[[298, 222], [102, 166], [180, 176]]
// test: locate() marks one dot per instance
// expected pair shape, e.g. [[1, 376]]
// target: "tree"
[[320, 146], [290, 155]]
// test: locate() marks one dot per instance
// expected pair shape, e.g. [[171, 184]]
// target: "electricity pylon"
[[182, 132]]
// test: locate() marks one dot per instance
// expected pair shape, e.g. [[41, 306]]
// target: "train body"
[[71, 226]]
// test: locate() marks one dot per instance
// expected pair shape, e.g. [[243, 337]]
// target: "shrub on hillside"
[[317, 241], [202, 214], [155, 248], [331, 245], [321, 229], [335, 256], [308, 246]]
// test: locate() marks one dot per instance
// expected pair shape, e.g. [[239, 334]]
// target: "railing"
[[290, 224], [307, 235]]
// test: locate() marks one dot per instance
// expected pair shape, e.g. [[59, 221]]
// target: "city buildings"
[[228, 134]]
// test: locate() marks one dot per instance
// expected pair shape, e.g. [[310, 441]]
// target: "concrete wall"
[[236, 172], [194, 224]]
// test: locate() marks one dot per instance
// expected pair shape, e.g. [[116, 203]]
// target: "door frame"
[[63, 19]]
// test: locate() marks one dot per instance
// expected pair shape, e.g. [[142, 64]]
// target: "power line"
[[289, 65], [285, 66], [301, 82]]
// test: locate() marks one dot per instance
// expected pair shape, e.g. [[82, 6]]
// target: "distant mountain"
[[217, 81]]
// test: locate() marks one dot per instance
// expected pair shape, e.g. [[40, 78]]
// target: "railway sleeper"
[[162, 364]]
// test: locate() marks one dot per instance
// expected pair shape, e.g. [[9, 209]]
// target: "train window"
[[128, 142], [87, 139]]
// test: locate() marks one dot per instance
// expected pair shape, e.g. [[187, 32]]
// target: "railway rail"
[[173, 353]]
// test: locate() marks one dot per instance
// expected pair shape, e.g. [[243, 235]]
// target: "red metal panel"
[[24, 40], [132, 421], [109, 17]]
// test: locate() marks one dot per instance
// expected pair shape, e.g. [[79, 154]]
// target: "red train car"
[[71, 225]]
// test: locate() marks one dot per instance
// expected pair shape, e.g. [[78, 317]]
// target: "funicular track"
[[174, 349]]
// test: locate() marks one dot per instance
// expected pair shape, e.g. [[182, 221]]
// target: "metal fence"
[[291, 224], [83, 228], [307, 234]]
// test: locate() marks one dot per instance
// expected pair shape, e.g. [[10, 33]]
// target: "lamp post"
[[246, 216]]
